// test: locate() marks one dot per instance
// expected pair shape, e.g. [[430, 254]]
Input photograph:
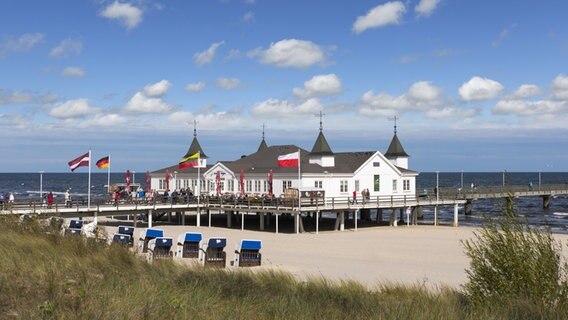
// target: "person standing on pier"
[[50, 200], [67, 199], [354, 196]]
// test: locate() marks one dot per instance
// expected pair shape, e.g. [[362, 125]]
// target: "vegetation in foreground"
[[51, 277]]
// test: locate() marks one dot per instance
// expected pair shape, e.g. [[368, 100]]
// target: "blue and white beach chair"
[[74, 228], [146, 235], [123, 239], [215, 255], [248, 253], [188, 245], [126, 230], [160, 248]]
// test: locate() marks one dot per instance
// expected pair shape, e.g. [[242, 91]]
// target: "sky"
[[474, 85]]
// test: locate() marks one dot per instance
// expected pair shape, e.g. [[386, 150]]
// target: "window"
[[406, 185], [377, 183], [256, 186], [265, 186], [343, 186], [231, 185], [222, 186], [162, 184], [356, 185], [376, 164], [394, 185], [286, 184], [249, 186], [318, 184]]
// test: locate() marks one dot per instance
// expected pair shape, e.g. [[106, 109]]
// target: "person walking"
[[354, 196], [49, 200], [67, 199]]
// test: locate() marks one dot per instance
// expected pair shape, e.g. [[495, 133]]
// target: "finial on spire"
[[394, 119], [195, 128], [263, 131], [321, 114]]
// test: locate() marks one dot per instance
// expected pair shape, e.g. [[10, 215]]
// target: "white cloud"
[[140, 103], [195, 87], [503, 35], [75, 72], [291, 53], [72, 109], [19, 97], [409, 58], [127, 14], [212, 120], [380, 16], [530, 108], [326, 84], [207, 56], [478, 88], [104, 120], [248, 16], [23, 43], [66, 48], [426, 7], [228, 83], [158, 89], [525, 91], [233, 54], [421, 95], [560, 87], [283, 108], [453, 113]]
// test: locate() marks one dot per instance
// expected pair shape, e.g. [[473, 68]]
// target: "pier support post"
[[435, 215], [545, 201], [393, 222], [183, 218], [455, 215], [198, 216], [209, 216], [262, 221], [414, 215], [355, 218], [342, 221], [149, 219], [379, 218], [277, 215], [468, 208], [317, 221], [229, 218], [300, 223], [242, 220], [401, 216]]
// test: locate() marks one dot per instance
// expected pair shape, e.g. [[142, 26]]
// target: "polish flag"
[[289, 160]]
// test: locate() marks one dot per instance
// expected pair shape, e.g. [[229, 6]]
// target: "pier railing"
[[479, 192]]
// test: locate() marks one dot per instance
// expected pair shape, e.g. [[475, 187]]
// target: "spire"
[[321, 147], [263, 144], [395, 148], [195, 146]]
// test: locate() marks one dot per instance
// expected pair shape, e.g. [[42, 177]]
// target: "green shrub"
[[512, 263]]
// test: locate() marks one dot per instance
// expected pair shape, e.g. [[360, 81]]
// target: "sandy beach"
[[424, 255]]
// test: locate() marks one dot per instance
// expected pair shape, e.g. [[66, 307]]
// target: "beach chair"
[[129, 231], [146, 235], [215, 255], [74, 228], [188, 245], [160, 248], [122, 239], [248, 253]]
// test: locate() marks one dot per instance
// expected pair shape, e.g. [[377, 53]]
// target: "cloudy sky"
[[476, 85]]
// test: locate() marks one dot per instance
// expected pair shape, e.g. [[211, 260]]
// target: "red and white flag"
[[81, 161], [289, 160]]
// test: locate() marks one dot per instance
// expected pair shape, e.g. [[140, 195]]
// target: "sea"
[[26, 186]]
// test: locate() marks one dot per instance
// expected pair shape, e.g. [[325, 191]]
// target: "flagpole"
[[89, 187], [198, 217], [299, 193], [108, 177]]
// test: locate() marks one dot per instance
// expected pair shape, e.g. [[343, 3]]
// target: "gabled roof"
[[395, 149], [171, 169], [321, 147]]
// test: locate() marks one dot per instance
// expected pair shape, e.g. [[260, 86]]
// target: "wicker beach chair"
[[128, 231], [160, 248], [145, 236], [74, 228], [188, 245], [122, 239], [215, 255], [248, 253]]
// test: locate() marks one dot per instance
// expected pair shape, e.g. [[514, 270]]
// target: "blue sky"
[[477, 85]]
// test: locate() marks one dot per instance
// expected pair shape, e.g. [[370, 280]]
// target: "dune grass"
[[46, 276]]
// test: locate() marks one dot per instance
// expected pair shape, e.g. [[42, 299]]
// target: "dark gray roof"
[[403, 170], [264, 160], [194, 148], [321, 147], [262, 145], [395, 149]]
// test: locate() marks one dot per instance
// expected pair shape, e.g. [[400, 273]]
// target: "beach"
[[432, 256]]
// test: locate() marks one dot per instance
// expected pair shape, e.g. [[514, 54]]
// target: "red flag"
[[81, 161], [270, 182], [218, 182], [289, 160], [242, 182], [167, 179]]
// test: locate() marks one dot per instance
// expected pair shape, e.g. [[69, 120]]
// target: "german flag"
[[103, 163], [189, 161]]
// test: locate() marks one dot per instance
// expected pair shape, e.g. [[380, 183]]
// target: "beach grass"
[[47, 276]]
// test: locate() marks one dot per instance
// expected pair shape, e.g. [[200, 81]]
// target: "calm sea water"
[[27, 186]]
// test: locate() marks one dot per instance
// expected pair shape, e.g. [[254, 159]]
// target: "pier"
[[408, 209]]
